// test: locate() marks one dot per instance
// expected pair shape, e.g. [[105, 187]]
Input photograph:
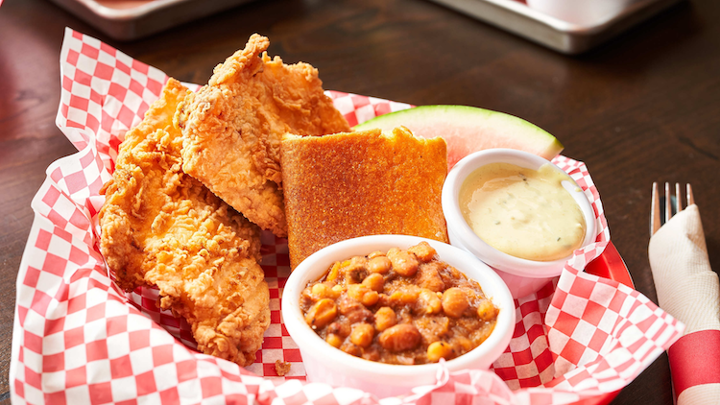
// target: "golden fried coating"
[[162, 227], [361, 183], [233, 126]]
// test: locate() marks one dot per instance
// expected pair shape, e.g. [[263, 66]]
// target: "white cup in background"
[[581, 12]]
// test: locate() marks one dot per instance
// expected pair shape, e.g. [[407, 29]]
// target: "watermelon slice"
[[469, 129]]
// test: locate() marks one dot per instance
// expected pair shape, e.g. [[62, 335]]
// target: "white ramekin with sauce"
[[520, 202], [327, 364]]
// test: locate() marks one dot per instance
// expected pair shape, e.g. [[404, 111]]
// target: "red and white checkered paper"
[[78, 339]]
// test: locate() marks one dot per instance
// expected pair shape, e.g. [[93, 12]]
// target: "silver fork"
[[671, 204]]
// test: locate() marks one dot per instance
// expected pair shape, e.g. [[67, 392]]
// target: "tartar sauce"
[[523, 212]]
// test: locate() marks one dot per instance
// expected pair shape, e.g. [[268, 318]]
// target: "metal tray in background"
[[127, 20], [516, 17]]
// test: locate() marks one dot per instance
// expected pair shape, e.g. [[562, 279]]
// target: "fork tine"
[[668, 203], [657, 220], [655, 210]]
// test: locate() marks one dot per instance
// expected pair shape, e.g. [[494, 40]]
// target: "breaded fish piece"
[[233, 126], [361, 183], [162, 227]]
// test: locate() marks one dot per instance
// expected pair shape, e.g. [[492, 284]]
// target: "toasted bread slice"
[[361, 183]]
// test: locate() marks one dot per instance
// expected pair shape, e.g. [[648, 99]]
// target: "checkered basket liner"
[[79, 339]]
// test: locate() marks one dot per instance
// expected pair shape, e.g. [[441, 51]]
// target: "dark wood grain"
[[644, 107]]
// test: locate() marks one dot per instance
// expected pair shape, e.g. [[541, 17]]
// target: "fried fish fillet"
[[162, 227], [233, 126]]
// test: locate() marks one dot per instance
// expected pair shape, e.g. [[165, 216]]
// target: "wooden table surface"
[[644, 107]]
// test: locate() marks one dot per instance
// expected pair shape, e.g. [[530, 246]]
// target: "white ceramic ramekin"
[[522, 276], [324, 363]]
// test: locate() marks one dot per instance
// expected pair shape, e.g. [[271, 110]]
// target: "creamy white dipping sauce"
[[523, 212]]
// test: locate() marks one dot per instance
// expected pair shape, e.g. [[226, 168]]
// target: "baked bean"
[[334, 340], [486, 310], [404, 296], [403, 262], [321, 290], [439, 350], [362, 334], [400, 337], [321, 314], [454, 302], [356, 291], [370, 298], [379, 264], [375, 254], [384, 318], [363, 293], [429, 302], [375, 282], [423, 251]]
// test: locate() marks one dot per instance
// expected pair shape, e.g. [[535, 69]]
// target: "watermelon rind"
[[469, 129]]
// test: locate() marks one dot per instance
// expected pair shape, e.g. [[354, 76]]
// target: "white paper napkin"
[[689, 290]]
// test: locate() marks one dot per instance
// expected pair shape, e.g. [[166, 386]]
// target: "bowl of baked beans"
[[385, 313]]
